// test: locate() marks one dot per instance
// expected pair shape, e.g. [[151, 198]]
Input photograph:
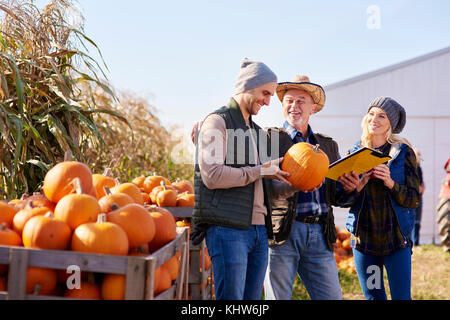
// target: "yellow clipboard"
[[359, 161]]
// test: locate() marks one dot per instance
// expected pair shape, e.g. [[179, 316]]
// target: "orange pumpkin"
[[101, 181], [41, 281], [17, 204], [58, 180], [183, 186], [184, 224], [337, 257], [346, 244], [207, 259], [131, 189], [139, 181], [166, 197], [344, 234], [21, 217], [76, 209], [100, 237], [7, 213], [87, 291], [185, 200], [113, 287], [337, 244], [8, 237], [164, 281], [118, 198], [154, 181], [157, 190], [135, 220], [166, 229], [307, 165], [38, 200], [172, 266], [46, 232], [341, 252], [146, 198]]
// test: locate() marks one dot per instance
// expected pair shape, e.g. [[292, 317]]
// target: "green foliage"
[[55, 97], [42, 114]]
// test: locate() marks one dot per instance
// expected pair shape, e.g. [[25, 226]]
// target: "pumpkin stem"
[[316, 148], [37, 288], [29, 204], [117, 181], [107, 172], [163, 184], [114, 206], [78, 187], [24, 196], [142, 249], [107, 190], [49, 215], [101, 218], [68, 156], [3, 226]]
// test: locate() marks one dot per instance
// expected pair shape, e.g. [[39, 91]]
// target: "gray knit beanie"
[[253, 74], [395, 112]]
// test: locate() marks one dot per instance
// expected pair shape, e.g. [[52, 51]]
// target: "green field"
[[430, 277]]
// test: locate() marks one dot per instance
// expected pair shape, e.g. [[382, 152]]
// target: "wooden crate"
[[198, 276], [139, 271]]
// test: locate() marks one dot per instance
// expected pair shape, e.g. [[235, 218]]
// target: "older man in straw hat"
[[304, 229]]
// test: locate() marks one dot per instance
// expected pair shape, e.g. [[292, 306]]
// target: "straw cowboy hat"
[[303, 83]]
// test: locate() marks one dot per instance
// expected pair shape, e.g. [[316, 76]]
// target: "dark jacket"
[[284, 211]]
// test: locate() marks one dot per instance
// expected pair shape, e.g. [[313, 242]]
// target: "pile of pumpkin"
[[343, 253], [85, 212], [158, 190]]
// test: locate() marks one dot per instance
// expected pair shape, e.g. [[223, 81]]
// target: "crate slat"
[[17, 278], [135, 286], [168, 294]]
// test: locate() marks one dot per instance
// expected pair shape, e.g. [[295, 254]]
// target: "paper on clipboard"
[[359, 161]]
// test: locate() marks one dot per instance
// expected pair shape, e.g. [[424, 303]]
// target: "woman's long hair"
[[366, 138]]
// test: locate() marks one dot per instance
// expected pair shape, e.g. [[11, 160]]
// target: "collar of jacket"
[[237, 113]]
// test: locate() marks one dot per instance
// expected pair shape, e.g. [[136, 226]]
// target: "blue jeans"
[[239, 261], [370, 274], [306, 253]]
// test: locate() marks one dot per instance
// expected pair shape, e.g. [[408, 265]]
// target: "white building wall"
[[422, 87]]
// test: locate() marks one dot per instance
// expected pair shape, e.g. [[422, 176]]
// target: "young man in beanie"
[[232, 208], [304, 229]]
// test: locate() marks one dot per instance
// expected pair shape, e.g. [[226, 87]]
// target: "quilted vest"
[[233, 207]]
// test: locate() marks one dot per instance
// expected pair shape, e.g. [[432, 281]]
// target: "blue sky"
[[185, 55]]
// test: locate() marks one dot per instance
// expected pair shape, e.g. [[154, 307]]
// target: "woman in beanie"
[[381, 217]]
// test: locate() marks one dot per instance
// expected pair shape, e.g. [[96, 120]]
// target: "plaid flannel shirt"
[[309, 203], [379, 232]]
